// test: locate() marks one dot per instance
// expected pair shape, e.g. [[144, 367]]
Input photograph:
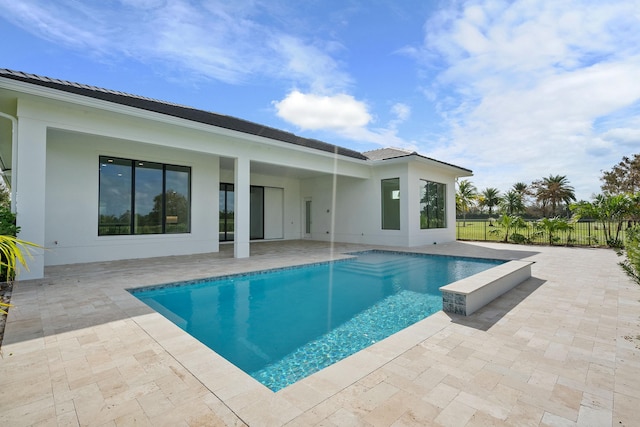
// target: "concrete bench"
[[472, 293]]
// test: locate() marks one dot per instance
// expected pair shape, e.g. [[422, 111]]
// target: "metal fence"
[[582, 233]]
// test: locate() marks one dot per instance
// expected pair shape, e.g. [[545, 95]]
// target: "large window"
[[138, 197], [433, 204], [391, 204]]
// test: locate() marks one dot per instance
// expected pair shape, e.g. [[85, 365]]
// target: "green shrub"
[[519, 238], [631, 265], [8, 227]]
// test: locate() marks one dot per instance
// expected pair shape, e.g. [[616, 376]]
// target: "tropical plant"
[[2, 304], [490, 197], [508, 223], [13, 252], [631, 265], [611, 211], [465, 198], [5, 197], [512, 203], [551, 226], [8, 227], [553, 191]]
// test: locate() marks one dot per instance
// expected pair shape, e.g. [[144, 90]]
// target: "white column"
[[30, 195], [241, 213]]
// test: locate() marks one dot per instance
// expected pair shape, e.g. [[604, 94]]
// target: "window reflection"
[[148, 202], [115, 196], [157, 195], [432, 205], [391, 204]]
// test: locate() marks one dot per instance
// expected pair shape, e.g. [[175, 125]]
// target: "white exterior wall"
[[357, 215], [71, 224], [358, 211]]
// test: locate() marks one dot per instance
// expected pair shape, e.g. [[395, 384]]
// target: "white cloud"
[[220, 40], [305, 63], [401, 111], [526, 87], [341, 113], [624, 136]]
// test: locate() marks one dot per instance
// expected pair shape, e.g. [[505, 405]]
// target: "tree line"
[[552, 203], [546, 197]]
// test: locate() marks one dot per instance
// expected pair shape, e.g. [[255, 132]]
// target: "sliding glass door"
[[266, 213], [226, 218]]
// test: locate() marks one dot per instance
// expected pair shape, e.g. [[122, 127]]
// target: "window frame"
[[393, 221], [439, 219], [133, 228]]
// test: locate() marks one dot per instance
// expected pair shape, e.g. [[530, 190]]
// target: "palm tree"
[[554, 190], [490, 197], [512, 203], [465, 197], [509, 222], [521, 188]]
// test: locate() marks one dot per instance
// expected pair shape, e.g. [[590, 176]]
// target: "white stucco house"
[[99, 175]]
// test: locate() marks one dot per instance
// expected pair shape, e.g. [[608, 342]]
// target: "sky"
[[513, 90]]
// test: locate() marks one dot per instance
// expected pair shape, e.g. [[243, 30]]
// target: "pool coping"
[[468, 295]]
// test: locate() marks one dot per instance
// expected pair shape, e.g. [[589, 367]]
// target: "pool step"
[[383, 269]]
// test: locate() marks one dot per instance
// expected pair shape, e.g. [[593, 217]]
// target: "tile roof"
[[180, 111], [387, 153], [395, 153]]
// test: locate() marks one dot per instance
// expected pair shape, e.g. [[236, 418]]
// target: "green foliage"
[[611, 210], [14, 251], [7, 228], [465, 196], [631, 265], [519, 238], [489, 198], [623, 177], [8, 222], [552, 226], [507, 223], [512, 203], [553, 191], [5, 197]]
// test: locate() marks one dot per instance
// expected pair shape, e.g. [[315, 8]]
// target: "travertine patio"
[[563, 348]]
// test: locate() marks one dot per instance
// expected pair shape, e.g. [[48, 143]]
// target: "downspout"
[[14, 158]]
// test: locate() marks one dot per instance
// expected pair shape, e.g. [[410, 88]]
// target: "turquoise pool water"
[[280, 326]]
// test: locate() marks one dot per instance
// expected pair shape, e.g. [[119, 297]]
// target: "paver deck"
[[562, 348]]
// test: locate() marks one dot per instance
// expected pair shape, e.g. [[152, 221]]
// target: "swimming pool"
[[280, 326]]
